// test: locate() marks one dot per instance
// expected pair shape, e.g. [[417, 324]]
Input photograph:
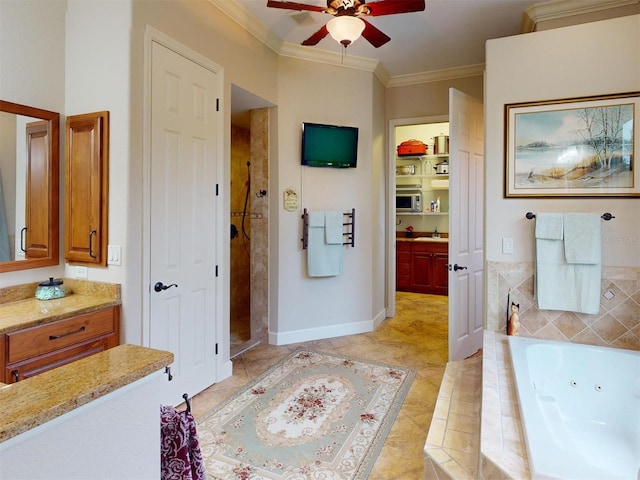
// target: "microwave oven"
[[408, 202]]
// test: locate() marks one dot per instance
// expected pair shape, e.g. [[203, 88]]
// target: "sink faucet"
[[435, 233]]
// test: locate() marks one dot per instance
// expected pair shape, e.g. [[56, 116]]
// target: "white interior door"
[[184, 228], [466, 173]]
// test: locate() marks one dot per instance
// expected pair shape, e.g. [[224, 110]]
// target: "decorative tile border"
[[617, 324]]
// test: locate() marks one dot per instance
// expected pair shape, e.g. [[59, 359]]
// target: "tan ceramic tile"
[[395, 341]]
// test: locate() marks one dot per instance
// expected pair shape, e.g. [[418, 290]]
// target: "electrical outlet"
[[82, 272], [507, 245]]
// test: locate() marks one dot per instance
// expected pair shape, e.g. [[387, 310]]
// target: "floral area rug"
[[311, 416]]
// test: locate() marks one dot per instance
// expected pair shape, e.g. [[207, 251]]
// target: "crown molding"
[[252, 25], [437, 75], [558, 9]]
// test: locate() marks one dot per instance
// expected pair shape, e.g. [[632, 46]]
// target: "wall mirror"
[[29, 187]]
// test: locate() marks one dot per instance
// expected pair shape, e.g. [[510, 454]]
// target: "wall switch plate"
[[82, 272], [507, 245], [114, 255]]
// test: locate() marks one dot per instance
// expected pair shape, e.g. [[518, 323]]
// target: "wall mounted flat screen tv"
[[329, 145]]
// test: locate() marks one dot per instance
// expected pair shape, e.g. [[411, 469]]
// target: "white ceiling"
[[446, 40], [447, 34]]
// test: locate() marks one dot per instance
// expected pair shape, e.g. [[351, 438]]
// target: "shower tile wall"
[[240, 246], [617, 324], [259, 222]]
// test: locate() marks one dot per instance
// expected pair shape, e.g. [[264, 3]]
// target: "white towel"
[[582, 242], [563, 286], [323, 260], [333, 228], [549, 226]]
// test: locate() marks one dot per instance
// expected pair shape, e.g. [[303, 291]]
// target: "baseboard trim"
[[321, 333]]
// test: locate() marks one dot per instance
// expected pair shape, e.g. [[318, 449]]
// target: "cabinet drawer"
[[29, 368], [430, 247], [47, 338]]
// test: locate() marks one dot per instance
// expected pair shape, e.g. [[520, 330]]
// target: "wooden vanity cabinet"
[[87, 189], [421, 267], [34, 350]]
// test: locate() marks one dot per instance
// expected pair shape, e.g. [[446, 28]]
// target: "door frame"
[[391, 201], [223, 363]]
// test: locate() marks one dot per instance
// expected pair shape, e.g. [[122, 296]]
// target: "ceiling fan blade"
[[375, 36], [293, 6], [391, 7], [316, 37]]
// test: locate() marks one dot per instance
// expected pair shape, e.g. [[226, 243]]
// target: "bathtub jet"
[[580, 409]]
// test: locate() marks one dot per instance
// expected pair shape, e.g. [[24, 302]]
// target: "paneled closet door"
[[87, 188]]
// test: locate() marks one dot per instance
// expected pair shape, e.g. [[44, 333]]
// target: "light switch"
[[507, 245], [114, 255]]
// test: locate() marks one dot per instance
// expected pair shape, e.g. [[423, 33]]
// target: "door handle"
[[158, 287], [455, 267]]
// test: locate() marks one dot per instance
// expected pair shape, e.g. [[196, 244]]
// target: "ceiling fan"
[[348, 24]]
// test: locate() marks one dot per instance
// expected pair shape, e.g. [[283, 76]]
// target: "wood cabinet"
[[30, 351], [87, 189], [421, 267], [38, 241], [403, 266]]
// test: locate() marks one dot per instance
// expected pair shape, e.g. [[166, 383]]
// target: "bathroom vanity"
[[39, 335], [98, 418]]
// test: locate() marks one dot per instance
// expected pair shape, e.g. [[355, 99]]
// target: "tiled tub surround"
[[617, 324], [453, 442], [475, 432], [20, 309], [503, 453]]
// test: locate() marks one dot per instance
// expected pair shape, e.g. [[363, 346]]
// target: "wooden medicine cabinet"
[[87, 189]]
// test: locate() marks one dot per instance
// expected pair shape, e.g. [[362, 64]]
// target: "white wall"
[[589, 59], [32, 46], [308, 307]]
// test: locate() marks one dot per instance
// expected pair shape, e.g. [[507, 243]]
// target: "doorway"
[[249, 220], [424, 129]]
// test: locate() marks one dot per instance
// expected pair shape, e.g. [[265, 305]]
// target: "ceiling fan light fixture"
[[345, 30]]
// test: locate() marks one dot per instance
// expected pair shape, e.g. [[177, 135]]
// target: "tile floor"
[[416, 338]]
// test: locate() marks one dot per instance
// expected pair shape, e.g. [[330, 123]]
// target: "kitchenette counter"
[[422, 238], [45, 397]]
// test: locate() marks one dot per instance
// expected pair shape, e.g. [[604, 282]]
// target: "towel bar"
[[605, 216], [350, 223]]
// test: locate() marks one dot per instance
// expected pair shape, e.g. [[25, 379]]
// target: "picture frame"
[[574, 147]]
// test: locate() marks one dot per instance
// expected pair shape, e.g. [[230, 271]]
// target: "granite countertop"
[[20, 309], [39, 399]]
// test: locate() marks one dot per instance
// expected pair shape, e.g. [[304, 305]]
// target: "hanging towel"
[[333, 228], [563, 286], [180, 455], [582, 238], [323, 260], [549, 226]]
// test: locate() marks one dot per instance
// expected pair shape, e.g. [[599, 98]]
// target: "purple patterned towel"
[[180, 451]]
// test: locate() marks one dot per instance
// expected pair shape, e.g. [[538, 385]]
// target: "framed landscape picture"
[[577, 147]]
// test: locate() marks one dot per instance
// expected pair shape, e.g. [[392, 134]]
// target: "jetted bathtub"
[[580, 409]]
